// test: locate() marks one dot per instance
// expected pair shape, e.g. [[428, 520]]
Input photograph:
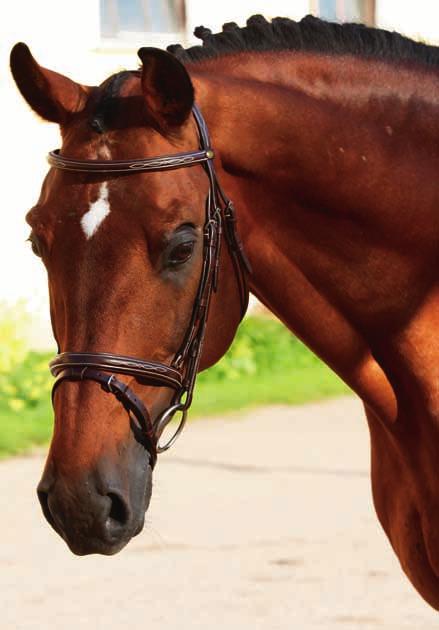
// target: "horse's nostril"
[[119, 513]]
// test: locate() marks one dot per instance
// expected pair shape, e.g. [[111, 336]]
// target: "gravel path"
[[258, 522]]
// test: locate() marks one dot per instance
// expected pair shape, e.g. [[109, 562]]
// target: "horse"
[[325, 136]]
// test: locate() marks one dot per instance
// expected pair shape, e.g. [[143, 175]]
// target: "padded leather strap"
[[147, 372]]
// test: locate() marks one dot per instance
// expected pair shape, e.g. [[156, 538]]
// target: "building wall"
[[64, 35], [214, 14], [419, 19]]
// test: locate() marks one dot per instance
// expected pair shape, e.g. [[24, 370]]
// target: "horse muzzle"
[[98, 512]]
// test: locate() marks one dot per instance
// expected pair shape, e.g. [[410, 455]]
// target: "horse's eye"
[[35, 244], [181, 253]]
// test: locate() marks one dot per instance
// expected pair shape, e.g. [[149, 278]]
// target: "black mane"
[[310, 34]]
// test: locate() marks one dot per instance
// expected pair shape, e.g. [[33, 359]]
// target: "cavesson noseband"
[[181, 374]]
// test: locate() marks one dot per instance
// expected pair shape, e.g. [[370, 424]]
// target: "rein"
[[180, 376]]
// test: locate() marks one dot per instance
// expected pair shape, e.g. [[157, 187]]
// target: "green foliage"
[[27, 383], [265, 365], [261, 346], [24, 385], [13, 322], [24, 379]]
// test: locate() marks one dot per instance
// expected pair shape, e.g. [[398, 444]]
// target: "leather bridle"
[[180, 376]]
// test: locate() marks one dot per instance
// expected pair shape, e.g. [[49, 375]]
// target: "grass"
[[291, 387], [20, 431], [266, 365]]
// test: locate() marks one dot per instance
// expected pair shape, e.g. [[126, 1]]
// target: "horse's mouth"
[[99, 512], [102, 542], [96, 546]]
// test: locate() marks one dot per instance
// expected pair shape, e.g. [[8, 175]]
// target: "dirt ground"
[[259, 521]]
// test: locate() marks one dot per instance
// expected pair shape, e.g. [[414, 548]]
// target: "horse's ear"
[[167, 88], [51, 95]]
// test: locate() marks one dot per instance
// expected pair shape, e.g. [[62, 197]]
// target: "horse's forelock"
[[107, 105]]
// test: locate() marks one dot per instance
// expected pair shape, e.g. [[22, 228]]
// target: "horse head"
[[128, 254]]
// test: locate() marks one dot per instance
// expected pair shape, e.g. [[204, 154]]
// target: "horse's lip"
[[97, 546], [139, 528], [43, 495]]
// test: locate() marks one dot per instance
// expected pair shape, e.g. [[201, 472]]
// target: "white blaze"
[[97, 212]]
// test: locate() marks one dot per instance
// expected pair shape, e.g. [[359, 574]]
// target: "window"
[[130, 19], [345, 10]]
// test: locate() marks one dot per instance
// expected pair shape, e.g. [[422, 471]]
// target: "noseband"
[[180, 376]]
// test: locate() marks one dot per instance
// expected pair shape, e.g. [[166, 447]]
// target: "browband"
[[142, 165]]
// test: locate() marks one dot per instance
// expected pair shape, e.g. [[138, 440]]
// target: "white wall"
[[214, 14], [418, 19]]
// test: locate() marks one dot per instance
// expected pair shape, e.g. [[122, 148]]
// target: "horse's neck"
[[316, 192], [300, 122]]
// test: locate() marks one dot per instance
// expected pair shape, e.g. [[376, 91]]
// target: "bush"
[[25, 382], [261, 346], [24, 378], [13, 323]]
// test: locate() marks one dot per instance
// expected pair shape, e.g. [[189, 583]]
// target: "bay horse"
[[326, 137]]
